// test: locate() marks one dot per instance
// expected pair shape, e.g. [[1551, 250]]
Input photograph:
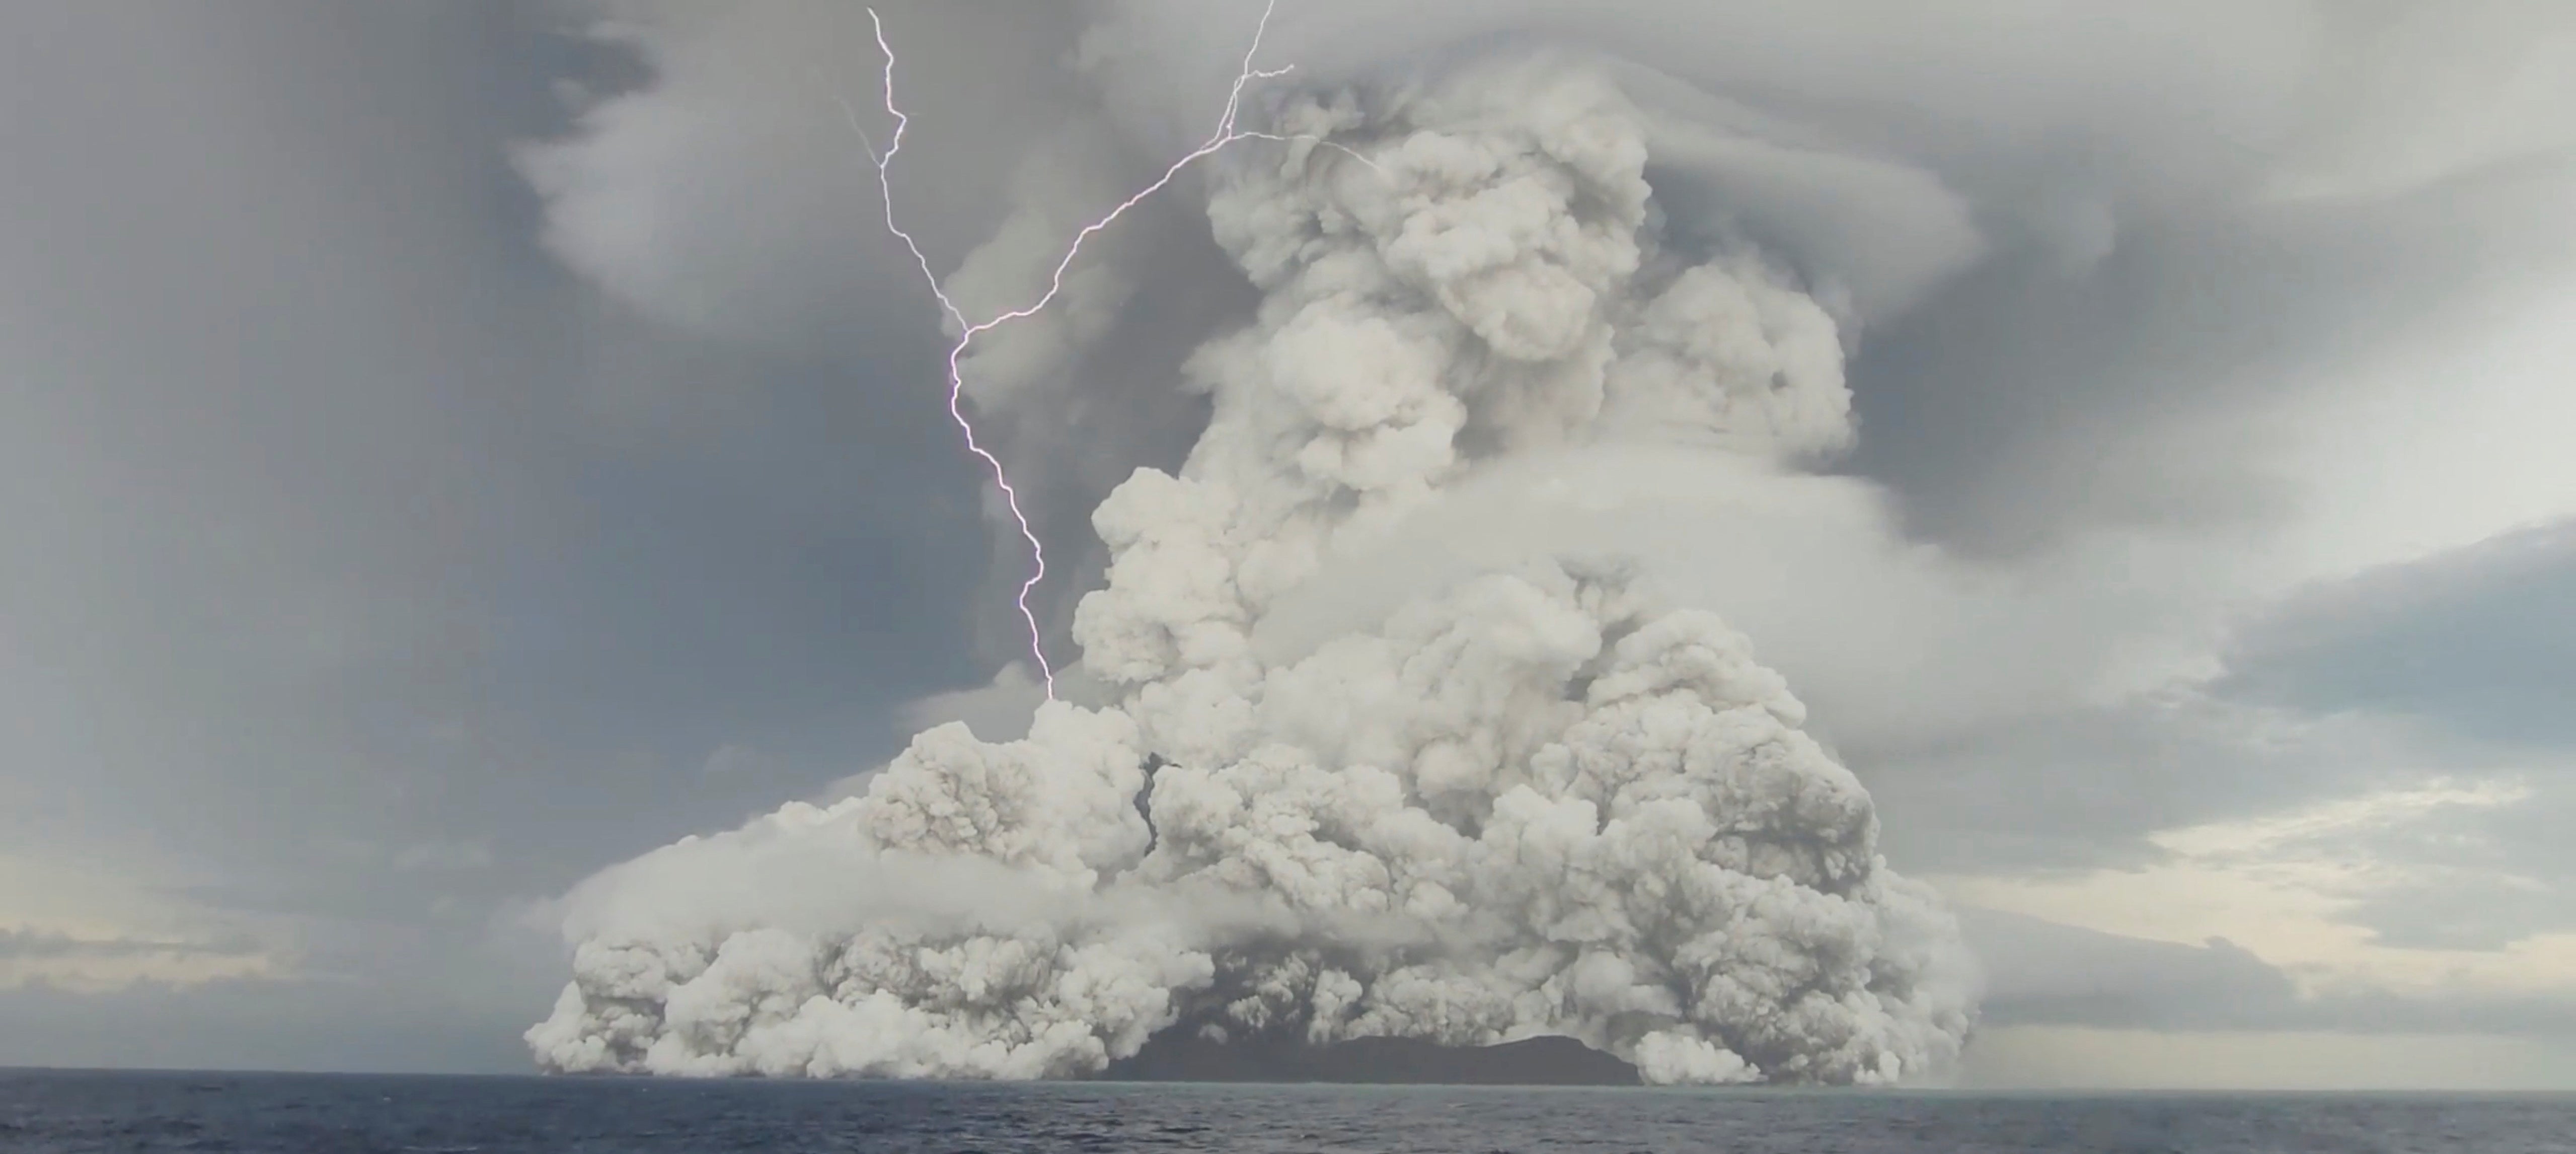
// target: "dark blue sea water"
[[62, 1111]]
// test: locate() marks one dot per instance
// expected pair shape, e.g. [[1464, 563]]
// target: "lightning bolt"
[[1227, 132]]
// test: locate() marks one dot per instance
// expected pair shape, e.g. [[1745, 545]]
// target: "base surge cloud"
[[1529, 800]]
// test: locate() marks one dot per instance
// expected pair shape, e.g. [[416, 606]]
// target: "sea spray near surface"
[[1530, 800]]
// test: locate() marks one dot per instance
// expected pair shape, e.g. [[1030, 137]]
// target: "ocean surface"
[[44, 1111]]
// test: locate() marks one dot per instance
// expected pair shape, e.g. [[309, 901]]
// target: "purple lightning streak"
[[1226, 133]]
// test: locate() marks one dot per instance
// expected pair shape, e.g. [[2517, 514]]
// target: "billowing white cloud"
[[1557, 288], [1526, 798]]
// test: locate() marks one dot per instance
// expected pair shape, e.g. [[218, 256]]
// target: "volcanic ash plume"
[[1533, 802]]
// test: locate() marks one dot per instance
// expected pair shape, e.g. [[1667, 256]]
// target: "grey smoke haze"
[[423, 494]]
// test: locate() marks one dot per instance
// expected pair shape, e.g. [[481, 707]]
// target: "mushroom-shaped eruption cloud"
[[1535, 800]]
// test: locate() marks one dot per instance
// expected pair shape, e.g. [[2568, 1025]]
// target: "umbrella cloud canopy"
[[1532, 800]]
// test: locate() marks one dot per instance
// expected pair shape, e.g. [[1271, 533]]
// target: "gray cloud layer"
[[36, 945], [345, 527], [2482, 640], [2042, 973]]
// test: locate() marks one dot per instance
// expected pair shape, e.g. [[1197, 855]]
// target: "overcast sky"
[[446, 451]]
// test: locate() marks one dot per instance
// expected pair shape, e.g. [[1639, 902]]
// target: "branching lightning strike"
[[1226, 133]]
